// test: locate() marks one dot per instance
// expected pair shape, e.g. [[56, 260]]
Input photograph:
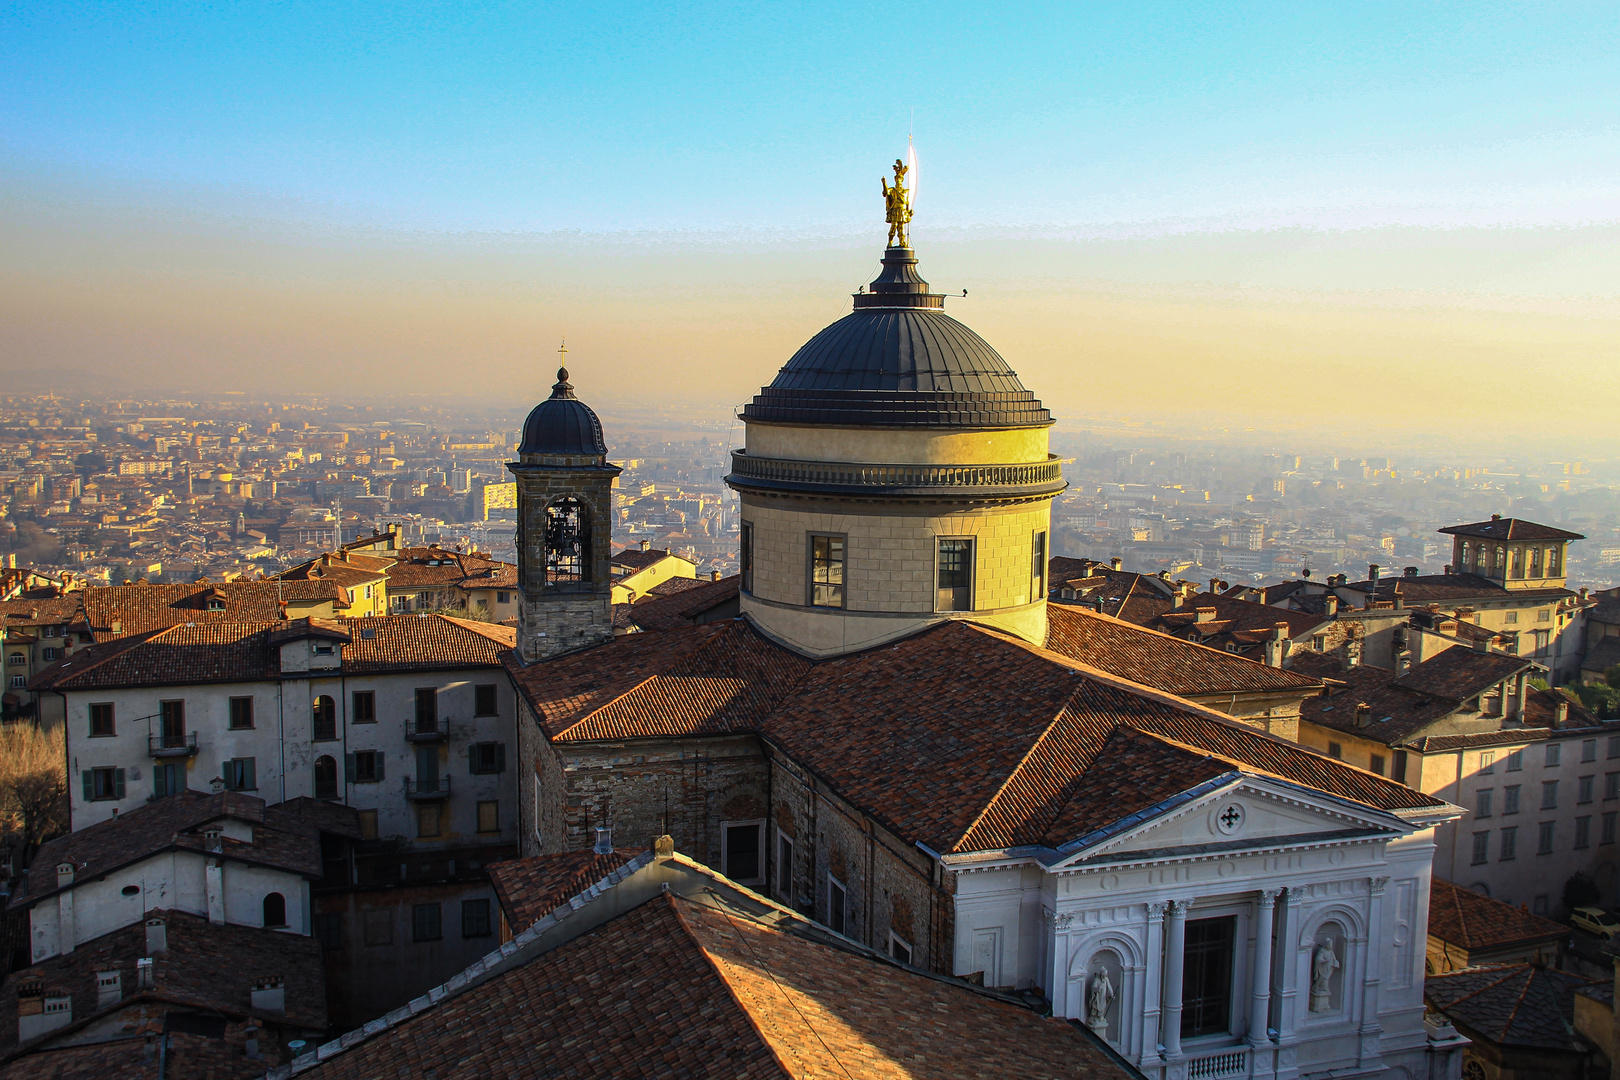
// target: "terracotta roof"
[[683, 988], [426, 568], [663, 609], [530, 889], [636, 559], [205, 966], [46, 612], [1243, 621], [172, 822], [1522, 1005], [140, 608], [1471, 921], [1159, 660], [1135, 598], [1603, 655], [720, 677], [246, 651], [1501, 528], [1459, 674], [1450, 589]]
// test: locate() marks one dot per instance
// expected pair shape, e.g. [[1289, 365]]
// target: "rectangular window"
[[1544, 838], [827, 571], [1335, 751], [427, 820], [1608, 828], [368, 824], [425, 920], [1611, 786], [1549, 794], [101, 719], [1510, 844], [1037, 568], [1583, 789], [745, 556], [103, 784], [484, 700], [1482, 847], [489, 816], [1487, 762], [241, 712], [1375, 764], [1583, 832], [363, 706], [1588, 750], [836, 905], [486, 757], [1538, 906], [1206, 996], [784, 868], [329, 930], [1554, 752], [955, 561], [1510, 617], [168, 779], [1614, 747], [503, 598], [1482, 803], [1510, 799], [899, 948], [427, 709], [365, 767], [475, 918], [239, 774], [742, 852], [50, 654], [1400, 767], [1515, 760], [172, 723]]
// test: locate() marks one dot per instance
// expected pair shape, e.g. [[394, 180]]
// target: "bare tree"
[[33, 786]]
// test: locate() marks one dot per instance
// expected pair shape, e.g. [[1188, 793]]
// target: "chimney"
[[1561, 715], [663, 847], [1409, 571], [64, 875], [1277, 647], [714, 575], [1204, 614], [144, 975], [1400, 600], [157, 936], [1584, 591], [646, 545], [1215, 586], [1372, 573], [1116, 563], [109, 988], [1447, 569], [1330, 604], [604, 840], [1496, 517], [1176, 600], [270, 994], [117, 626], [1482, 644], [1363, 714]]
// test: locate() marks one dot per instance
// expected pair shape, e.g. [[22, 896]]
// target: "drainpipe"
[[281, 733]]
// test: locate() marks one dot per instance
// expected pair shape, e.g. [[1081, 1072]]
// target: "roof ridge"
[[116, 647], [1014, 773], [1089, 613], [719, 975], [684, 658]]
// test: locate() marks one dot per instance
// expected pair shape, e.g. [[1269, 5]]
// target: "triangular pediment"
[[1241, 812]]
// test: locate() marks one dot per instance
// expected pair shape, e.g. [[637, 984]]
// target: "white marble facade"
[[1267, 891]]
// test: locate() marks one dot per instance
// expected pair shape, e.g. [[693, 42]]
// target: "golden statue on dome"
[[897, 205]]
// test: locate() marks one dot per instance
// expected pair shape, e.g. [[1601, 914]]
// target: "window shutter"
[[118, 782], [348, 767], [228, 774], [472, 757], [89, 785], [500, 757], [380, 756], [249, 780]]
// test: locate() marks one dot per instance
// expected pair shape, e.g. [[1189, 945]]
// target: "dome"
[[562, 424], [898, 360]]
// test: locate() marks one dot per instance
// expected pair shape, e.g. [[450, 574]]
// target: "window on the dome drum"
[[1037, 568], [827, 571], [568, 543], [745, 552], [955, 575]]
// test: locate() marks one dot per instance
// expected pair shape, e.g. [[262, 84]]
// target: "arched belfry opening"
[[565, 511], [568, 544]]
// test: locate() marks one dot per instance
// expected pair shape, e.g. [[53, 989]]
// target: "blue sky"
[[775, 118]]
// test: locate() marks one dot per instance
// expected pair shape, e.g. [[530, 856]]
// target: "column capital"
[[1178, 908], [1268, 897], [1155, 911], [1377, 885]]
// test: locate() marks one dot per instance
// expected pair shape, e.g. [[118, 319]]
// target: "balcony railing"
[[1226, 1063], [172, 745], [430, 788], [897, 479], [422, 730]]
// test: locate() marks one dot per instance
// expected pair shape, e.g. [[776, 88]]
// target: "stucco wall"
[[898, 446]]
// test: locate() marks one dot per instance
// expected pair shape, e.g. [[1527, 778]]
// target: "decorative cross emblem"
[[1231, 818]]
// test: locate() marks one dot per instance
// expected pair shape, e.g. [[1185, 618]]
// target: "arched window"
[[568, 544], [1516, 562], [1535, 562], [325, 777], [275, 909], [1500, 565], [1552, 561], [325, 714]]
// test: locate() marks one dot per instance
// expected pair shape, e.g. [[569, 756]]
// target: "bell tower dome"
[[896, 473], [564, 532]]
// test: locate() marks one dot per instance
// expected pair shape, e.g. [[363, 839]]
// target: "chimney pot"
[[1363, 714], [1331, 605], [64, 875], [1561, 715], [1496, 517], [714, 575], [604, 840], [663, 847], [1372, 573], [646, 545], [1116, 563], [1410, 571]]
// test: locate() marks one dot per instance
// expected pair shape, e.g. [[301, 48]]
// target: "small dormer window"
[[215, 604], [321, 648]]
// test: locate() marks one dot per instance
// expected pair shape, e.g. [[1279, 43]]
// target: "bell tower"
[[564, 532]]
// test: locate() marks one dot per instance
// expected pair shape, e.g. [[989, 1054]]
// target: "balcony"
[[427, 789], [1226, 1062], [172, 745], [863, 478], [422, 730]]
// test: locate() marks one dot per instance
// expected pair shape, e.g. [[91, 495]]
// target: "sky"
[[1241, 208]]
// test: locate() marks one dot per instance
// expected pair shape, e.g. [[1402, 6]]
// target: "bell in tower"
[[564, 533]]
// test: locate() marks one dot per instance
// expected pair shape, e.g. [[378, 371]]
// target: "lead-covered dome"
[[898, 361], [562, 424]]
